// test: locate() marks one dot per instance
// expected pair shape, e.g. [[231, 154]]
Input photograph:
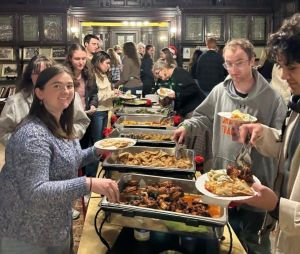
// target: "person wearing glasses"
[[284, 202], [40, 171], [244, 89]]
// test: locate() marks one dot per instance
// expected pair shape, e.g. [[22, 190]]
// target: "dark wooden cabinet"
[[254, 27]]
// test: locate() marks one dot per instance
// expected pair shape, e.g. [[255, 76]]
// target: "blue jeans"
[[98, 123], [14, 246]]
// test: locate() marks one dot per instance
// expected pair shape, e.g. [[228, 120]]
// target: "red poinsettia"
[[148, 102], [113, 119], [107, 131], [176, 120]]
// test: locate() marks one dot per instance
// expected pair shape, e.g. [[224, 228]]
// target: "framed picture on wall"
[[6, 53], [186, 54], [30, 28], [30, 52], [6, 28], [58, 53], [53, 26], [9, 70]]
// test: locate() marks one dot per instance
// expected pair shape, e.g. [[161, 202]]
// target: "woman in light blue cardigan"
[[39, 179]]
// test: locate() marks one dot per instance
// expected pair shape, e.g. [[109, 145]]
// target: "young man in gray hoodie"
[[244, 89]]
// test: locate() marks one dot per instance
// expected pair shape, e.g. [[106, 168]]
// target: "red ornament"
[[148, 102], [176, 120], [107, 131], [113, 119], [199, 159]]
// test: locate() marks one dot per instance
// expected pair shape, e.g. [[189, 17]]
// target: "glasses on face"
[[238, 64], [61, 87]]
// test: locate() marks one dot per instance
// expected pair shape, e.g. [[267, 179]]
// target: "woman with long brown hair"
[[130, 75]]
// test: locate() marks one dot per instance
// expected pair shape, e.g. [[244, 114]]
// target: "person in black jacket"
[[187, 95], [146, 70], [210, 70]]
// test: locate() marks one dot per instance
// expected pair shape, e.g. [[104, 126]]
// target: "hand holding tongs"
[[244, 156]]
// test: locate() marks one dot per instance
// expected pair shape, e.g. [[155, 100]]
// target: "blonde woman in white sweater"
[[101, 65]]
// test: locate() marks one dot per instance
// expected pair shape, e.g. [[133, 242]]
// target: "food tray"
[[112, 163], [132, 132], [147, 118], [140, 111], [188, 187]]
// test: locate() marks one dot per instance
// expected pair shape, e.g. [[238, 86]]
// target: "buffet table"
[[91, 244]]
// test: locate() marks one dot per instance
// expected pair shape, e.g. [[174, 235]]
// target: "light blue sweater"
[[38, 184]]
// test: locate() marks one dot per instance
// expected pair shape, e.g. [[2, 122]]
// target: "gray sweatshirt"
[[38, 184], [262, 102]]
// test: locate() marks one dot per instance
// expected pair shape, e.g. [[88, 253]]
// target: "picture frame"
[[58, 53], [53, 28], [30, 52], [30, 28], [6, 28], [6, 54], [186, 53], [9, 70]]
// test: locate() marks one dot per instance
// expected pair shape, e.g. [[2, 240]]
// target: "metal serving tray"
[[132, 132], [140, 111], [112, 163], [188, 187], [145, 118]]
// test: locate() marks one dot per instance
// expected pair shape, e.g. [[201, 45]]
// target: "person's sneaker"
[[75, 214]]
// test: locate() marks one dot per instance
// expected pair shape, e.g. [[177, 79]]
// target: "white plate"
[[101, 143], [163, 92], [213, 198], [127, 96], [227, 115]]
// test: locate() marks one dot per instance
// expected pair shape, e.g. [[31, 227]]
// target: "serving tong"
[[243, 159], [178, 150]]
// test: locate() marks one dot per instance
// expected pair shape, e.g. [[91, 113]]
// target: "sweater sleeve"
[[202, 118], [289, 216], [267, 144], [33, 156]]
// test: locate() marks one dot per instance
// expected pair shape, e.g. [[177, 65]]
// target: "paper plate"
[[248, 118], [163, 92], [127, 96], [213, 198], [113, 144]]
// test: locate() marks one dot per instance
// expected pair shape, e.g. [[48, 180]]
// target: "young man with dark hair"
[[91, 44]]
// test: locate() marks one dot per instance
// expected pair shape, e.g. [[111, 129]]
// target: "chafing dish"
[[135, 132], [111, 163], [161, 220], [140, 111], [146, 118]]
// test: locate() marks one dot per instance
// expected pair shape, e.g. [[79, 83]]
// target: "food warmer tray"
[[140, 111], [131, 132], [146, 118], [111, 163], [160, 220]]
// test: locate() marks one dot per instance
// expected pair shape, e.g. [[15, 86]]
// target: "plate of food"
[[164, 92], [112, 144], [238, 116], [127, 96], [226, 185], [136, 102]]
